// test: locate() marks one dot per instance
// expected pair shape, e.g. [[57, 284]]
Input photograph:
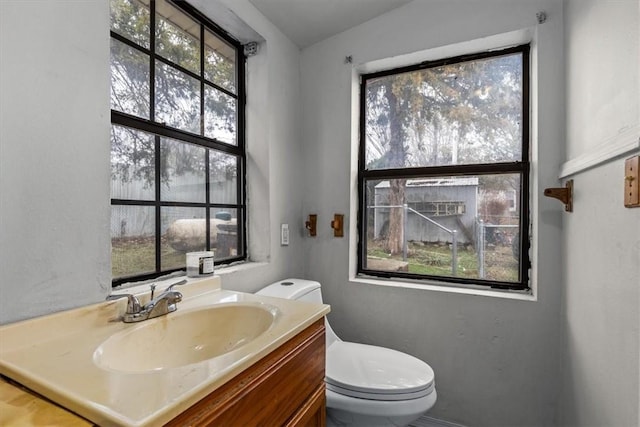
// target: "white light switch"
[[284, 235]]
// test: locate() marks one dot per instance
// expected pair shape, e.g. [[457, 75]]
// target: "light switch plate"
[[284, 234], [632, 182]]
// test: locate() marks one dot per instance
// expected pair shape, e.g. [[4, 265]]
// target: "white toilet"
[[367, 386]]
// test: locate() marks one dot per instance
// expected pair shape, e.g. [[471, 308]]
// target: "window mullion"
[[207, 184], [158, 207], [129, 43], [174, 133], [152, 62], [452, 170], [157, 148]]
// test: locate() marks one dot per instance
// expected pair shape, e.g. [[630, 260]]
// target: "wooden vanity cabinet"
[[285, 388]]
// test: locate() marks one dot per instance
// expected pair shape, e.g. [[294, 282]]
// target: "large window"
[[177, 139], [444, 171]]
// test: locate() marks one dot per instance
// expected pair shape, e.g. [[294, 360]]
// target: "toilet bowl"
[[366, 385]]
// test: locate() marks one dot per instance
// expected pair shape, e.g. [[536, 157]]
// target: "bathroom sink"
[[184, 338]]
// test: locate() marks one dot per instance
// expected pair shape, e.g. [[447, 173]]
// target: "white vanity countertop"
[[54, 356]]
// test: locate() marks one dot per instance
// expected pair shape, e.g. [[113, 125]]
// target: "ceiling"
[[306, 22]]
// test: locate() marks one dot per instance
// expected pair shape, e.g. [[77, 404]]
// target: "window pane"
[[219, 62], [224, 232], [462, 113], [477, 212], [183, 230], [129, 80], [177, 36], [133, 249], [219, 116], [132, 164], [177, 99], [223, 178], [130, 19], [183, 174]]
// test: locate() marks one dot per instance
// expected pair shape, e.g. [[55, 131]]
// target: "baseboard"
[[426, 421]]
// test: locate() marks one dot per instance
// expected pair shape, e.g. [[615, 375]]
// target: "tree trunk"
[[397, 159], [395, 239]]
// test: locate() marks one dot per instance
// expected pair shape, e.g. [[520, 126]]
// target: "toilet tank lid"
[[289, 288]]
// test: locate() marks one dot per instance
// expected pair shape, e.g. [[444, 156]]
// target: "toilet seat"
[[376, 373]]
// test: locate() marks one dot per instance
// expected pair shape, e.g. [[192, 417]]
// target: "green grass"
[[435, 260], [138, 256]]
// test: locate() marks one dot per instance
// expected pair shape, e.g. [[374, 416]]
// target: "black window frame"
[[522, 167], [160, 130]]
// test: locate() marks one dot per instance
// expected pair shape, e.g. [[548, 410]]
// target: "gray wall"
[[54, 151], [600, 316], [496, 360]]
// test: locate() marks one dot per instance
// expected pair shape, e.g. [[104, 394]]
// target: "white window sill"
[[454, 289], [239, 266], [164, 281]]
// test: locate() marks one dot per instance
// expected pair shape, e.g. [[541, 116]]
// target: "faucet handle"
[[133, 304], [181, 282]]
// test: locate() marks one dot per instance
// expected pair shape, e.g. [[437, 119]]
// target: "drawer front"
[[275, 391], [313, 413]]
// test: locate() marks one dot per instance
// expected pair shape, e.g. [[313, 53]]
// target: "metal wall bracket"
[[565, 195], [338, 225], [311, 224]]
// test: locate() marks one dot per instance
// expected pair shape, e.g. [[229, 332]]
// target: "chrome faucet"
[[159, 306]]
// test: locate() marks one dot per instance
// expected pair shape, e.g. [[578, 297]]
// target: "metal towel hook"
[[565, 195]]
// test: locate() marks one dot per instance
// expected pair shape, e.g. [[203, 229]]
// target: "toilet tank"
[[301, 290], [296, 289]]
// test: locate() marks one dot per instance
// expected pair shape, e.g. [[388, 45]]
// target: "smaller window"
[[444, 170]]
